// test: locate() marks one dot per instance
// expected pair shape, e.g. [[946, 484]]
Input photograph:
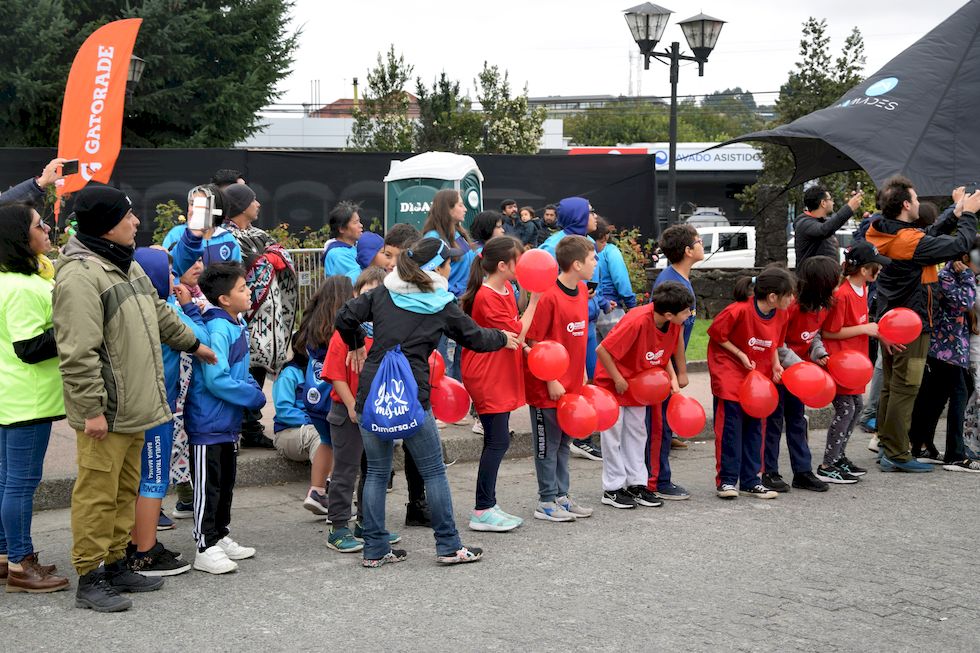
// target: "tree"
[[210, 67], [447, 121], [815, 83], [510, 125], [381, 123]]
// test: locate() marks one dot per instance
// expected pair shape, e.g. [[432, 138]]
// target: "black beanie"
[[100, 208], [238, 197]]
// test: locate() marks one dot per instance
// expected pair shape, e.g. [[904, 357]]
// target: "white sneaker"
[[440, 424], [551, 511], [727, 491], [478, 427], [234, 550], [569, 504], [214, 561], [873, 444]]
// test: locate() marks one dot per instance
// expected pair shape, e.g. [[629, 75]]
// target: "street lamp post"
[[136, 66], [647, 23]]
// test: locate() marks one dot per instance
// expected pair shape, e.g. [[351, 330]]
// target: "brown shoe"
[[677, 443], [33, 580], [3, 572], [48, 569]]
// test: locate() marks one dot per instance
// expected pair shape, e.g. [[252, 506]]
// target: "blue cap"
[[368, 246]]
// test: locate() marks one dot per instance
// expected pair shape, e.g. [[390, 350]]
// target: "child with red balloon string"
[[743, 364], [845, 336], [495, 380], [817, 279], [645, 338], [562, 316]]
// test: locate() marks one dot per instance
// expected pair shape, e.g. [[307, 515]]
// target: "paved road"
[[884, 565]]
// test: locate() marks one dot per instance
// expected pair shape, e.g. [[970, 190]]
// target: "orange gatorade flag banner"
[[92, 112]]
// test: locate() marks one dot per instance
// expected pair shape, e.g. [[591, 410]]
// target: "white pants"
[[624, 449], [299, 444]]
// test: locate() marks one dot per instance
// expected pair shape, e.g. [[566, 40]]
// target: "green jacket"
[[108, 328]]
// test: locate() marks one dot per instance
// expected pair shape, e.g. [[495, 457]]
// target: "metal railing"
[[309, 271]]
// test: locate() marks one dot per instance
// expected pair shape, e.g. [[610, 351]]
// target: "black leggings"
[[496, 441]]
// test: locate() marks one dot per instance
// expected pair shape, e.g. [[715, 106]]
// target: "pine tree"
[[381, 122], [447, 121]]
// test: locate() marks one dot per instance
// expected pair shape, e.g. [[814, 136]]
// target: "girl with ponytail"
[[495, 380]]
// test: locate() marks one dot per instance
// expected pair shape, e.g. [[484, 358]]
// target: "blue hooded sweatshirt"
[[340, 258], [614, 278], [573, 218], [156, 264], [187, 247], [221, 392], [287, 396]]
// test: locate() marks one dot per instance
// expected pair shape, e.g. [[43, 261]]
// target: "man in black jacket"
[[814, 230]]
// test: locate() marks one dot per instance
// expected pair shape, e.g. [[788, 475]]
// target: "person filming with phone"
[[32, 190], [815, 230]]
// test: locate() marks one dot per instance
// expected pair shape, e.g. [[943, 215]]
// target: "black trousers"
[[251, 422], [413, 479], [942, 382], [214, 467]]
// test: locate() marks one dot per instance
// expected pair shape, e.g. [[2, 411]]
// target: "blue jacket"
[[186, 247], [341, 258], [287, 396], [25, 191], [614, 278], [459, 271], [219, 393]]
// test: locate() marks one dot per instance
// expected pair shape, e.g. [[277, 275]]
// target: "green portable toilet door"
[[471, 190], [412, 204]]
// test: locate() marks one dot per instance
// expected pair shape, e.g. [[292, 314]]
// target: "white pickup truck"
[[734, 247]]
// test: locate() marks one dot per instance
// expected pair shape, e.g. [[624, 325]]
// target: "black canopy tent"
[[916, 116]]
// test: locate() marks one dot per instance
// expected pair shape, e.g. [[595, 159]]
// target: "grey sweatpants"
[[347, 450], [847, 413]]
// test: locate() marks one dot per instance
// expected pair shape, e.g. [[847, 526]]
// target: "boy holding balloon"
[[562, 316], [644, 339], [743, 363]]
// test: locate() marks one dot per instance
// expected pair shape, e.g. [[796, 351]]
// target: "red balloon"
[[605, 405], [804, 379], [548, 360], [851, 369], [758, 395], [536, 270], [651, 386], [576, 416], [900, 326], [450, 401], [826, 394], [437, 368], [685, 415]]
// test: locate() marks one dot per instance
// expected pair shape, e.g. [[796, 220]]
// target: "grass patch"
[[697, 347]]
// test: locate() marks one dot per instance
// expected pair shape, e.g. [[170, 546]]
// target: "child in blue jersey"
[[445, 222], [683, 247], [148, 556], [219, 395], [214, 244], [340, 252], [294, 435], [615, 286]]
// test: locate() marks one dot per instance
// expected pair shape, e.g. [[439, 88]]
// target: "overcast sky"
[[582, 47]]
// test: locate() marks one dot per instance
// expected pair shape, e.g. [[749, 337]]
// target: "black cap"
[[863, 252], [100, 208]]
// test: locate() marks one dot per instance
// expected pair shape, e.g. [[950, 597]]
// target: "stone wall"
[[712, 287]]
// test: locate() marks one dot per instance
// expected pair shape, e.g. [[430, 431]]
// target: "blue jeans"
[[590, 356], [738, 445], [874, 393], [791, 411], [426, 449], [550, 454], [22, 450], [453, 367]]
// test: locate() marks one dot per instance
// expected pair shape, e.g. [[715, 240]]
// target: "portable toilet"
[[411, 184]]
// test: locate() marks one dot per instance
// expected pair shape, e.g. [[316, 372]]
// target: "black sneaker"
[[807, 481], [758, 491], [834, 474], [256, 441], [391, 482], [123, 579], [158, 561], [644, 497], [585, 449], [182, 510], [417, 514], [619, 499], [775, 482], [849, 467], [95, 593]]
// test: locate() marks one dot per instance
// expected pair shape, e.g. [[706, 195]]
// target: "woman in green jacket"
[[30, 386]]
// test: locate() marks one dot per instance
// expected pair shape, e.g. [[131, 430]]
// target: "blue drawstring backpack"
[[316, 395], [392, 410]]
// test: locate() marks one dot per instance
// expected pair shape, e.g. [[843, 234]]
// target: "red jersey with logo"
[[849, 309], [636, 344], [564, 319], [335, 367], [801, 327], [495, 380], [741, 324]]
